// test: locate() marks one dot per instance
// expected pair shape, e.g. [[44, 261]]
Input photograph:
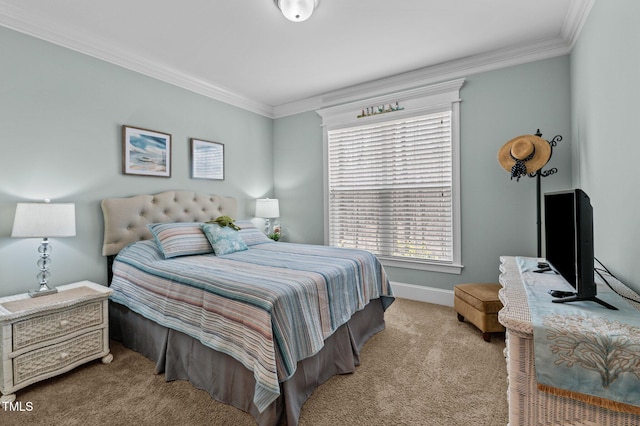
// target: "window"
[[392, 185]]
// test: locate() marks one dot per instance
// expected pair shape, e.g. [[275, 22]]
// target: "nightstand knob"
[[64, 323]]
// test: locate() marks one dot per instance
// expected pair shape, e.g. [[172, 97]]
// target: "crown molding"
[[574, 21], [426, 76], [14, 18]]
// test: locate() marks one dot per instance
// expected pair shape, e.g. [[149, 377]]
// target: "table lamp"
[[267, 208], [44, 220]]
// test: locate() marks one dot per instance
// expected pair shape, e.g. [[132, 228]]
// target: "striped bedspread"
[[268, 307]]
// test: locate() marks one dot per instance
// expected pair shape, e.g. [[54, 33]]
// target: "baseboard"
[[423, 293]]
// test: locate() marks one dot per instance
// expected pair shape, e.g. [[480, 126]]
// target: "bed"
[[256, 323]]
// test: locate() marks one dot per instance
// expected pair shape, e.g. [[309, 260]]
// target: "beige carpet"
[[426, 368]]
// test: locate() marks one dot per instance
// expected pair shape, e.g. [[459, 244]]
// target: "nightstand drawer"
[[50, 326], [56, 357]]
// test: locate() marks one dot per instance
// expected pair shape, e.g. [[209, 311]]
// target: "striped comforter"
[[268, 307]]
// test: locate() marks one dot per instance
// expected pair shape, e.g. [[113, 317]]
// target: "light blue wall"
[[605, 72], [60, 137], [298, 168], [498, 215], [60, 121]]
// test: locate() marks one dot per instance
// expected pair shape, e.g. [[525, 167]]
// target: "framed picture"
[[207, 160], [145, 152]]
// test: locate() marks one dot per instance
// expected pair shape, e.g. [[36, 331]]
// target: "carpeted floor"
[[426, 368]]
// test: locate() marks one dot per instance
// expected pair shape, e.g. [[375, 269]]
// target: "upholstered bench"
[[479, 303]]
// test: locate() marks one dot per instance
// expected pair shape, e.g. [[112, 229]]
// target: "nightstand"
[[45, 336]]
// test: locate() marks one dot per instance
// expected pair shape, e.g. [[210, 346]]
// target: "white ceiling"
[[246, 53]]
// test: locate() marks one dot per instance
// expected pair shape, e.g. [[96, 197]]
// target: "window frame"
[[414, 102]]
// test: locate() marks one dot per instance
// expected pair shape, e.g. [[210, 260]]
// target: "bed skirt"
[[181, 357]]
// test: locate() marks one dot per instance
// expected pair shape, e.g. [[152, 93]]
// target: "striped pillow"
[[250, 234], [180, 239]]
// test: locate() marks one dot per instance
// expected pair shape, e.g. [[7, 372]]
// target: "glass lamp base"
[[43, 264]]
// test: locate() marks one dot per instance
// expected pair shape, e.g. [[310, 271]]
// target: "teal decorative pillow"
[[224, 240], [180, 239]]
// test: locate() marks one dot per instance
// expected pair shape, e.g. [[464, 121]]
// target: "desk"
[[527, 405]]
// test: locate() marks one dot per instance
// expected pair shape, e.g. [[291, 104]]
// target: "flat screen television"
[[568, 217]]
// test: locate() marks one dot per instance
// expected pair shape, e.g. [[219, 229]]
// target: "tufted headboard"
[[126, 219]]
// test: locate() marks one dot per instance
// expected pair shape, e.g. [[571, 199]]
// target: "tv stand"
[[578, 298]]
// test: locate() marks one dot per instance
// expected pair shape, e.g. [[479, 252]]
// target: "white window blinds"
[[390, 188]]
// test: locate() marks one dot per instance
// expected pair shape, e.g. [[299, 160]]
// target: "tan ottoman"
[[479, 303]]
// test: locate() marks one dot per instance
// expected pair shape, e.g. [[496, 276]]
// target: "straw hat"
[[524, 155]]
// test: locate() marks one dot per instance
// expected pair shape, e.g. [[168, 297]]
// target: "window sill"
[[422, 265]]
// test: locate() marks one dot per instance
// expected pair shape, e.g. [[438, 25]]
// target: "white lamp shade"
[[297, 10], [267, 208], [44, 220]]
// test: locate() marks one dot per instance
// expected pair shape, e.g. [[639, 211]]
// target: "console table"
[[527, 404]]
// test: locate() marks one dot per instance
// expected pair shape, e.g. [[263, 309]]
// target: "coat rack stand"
[[539, 175]]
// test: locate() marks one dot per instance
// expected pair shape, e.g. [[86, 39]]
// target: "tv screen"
[[568, 219]]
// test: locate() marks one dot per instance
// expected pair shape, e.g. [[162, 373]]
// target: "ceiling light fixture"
[[296, 10]]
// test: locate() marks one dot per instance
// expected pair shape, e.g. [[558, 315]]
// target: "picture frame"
[[207, 159], [145, 152]]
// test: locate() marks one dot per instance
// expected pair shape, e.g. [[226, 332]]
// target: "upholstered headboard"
[[126, 219]]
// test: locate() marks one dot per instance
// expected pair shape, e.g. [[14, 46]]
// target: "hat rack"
[[539, 174]]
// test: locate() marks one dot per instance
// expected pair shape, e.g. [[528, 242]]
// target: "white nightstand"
[[45, 336]]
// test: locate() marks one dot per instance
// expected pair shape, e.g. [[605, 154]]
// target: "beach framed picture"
[[145, 152], [207, 160]]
